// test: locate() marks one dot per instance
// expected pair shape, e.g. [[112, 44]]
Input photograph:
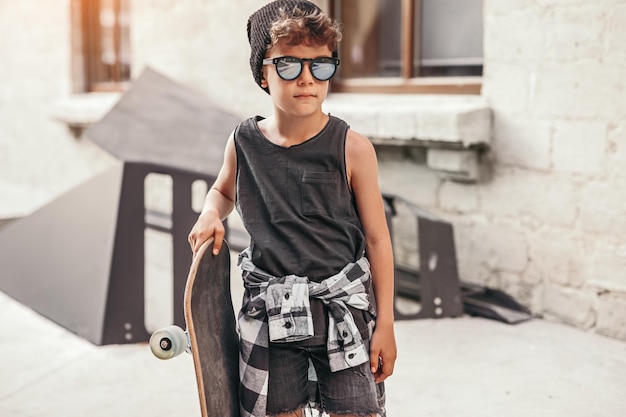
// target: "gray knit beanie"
[[259, 25]]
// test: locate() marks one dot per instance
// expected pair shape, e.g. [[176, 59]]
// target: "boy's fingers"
[[217, 246], [373, 366], [192, 244], [384, 369], [195, 241], [374, 361], [387, 370], [382, 374], [218, 241]]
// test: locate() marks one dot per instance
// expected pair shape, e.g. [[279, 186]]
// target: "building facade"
[[528, 161]]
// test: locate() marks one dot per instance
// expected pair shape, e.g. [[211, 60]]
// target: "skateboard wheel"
[[168, 342]]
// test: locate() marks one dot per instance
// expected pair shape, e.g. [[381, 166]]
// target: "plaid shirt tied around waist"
[[277, 309]]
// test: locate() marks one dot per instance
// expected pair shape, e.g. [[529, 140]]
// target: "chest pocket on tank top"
[[320, 193]]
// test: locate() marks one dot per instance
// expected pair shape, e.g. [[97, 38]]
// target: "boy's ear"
[[263, 82]]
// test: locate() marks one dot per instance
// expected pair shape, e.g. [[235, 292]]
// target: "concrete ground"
[[446, 368]]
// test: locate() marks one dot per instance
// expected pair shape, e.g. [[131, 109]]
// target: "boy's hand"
[[207, 226], [383, 353]]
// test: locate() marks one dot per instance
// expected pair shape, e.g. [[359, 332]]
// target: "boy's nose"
[[306, 76]]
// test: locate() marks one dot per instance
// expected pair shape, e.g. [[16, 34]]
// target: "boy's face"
[[304, 95]]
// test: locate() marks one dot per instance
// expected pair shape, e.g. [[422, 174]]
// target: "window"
[[409, 46], [101, 45]]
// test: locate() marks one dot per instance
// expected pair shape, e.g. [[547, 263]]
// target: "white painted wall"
[[39, 158]]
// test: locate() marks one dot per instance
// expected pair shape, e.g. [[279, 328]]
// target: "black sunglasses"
[[289, 67]]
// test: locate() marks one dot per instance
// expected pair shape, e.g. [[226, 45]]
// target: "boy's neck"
[[290, 131]]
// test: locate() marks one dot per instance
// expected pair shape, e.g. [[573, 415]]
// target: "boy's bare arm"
[[362, 169], [218, 204]]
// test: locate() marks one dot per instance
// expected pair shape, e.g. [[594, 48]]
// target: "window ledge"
[[454, 129], [79, 111], [428, 120]]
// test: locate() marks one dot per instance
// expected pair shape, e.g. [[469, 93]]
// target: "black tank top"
[[297, 206], [295, 202]]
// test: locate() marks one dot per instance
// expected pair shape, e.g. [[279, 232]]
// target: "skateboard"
[[211, 337]]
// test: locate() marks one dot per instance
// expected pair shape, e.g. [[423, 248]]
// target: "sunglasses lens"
[[323, 68], [289, 68]]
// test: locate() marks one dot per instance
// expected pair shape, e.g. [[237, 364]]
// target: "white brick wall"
[[580, 147], [508, 87], [615, 43], [606, 268], [587, 90], [557, 257], [611, 320], [499, 248], [616, 150], [570, 305], [459, 197], [522, 141], [602, 207], [567, 42], [554, 78], [401, 174], [529, 197]]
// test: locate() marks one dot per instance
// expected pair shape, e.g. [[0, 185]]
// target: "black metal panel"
[[439, 276], [124, 320], [125, 316], [183, 218]]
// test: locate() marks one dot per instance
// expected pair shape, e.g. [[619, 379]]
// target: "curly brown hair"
[[299, 26]]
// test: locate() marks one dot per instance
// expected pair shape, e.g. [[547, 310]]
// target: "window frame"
[[86, 47], [409, 82]]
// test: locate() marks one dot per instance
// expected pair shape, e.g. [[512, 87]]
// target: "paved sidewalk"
[[446, 368]]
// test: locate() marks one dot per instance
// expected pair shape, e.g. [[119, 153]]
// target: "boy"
[[306, 188]]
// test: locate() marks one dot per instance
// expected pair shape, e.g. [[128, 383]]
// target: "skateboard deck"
[[211, 334]]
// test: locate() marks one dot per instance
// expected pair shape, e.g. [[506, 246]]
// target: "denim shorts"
[[350, 391]]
